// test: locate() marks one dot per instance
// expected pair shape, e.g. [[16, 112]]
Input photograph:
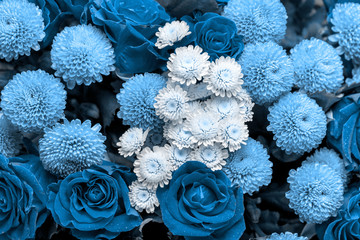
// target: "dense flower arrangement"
[[193, 119]]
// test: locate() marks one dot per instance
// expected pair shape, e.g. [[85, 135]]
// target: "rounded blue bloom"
[[33, 100], [137, 98], [317, 66], [298, 123], [258, 20], [201, 204], [286, 236], [71, 147], [21, 28], [10, 138], [268, 71], [81, 54], [94, 204], [249, 167]]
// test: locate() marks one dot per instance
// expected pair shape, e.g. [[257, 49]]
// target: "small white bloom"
[[225, 107], [188, 65], [171, 104], [132, 141], [171, 33], [177, 135], [143, 198], [233, 133], [224, 77], [212, 156], [153, 168], [178, 156], [246, 103]]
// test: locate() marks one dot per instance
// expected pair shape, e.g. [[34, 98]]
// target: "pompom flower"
[[249, 167], [316, 192], [258, 20], [132, 141], [21, 28], [268, 71], [142, 198], [71, 147], [317, 66], [137, 98], [225, 107], [178, 135], [177, 156], [171, 33], [33, 100], [171, 104], [224, 77], [153, 167], [246, 105], [346, 23], [286, 236], [233, 132], [298, 123], [81, 54], [188, 65], [10, 138], [212, 156]]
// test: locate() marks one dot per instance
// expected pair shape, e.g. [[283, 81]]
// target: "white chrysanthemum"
[[247, 104], [153, 168], [178, 156], [212, 156], [177, 135], [225, 107], [188, 65], [233, 132], [132, 141], [143, 198], [171, 104], [224, 77], [204, 127], [171, 33]]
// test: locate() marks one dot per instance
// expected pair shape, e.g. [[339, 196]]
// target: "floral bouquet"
[[180, 119]]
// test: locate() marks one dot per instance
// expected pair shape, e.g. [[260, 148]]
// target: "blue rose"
[[22, 200], [132, 25], [346, 225], [78, 8], [343, 132], [94, 203], [201, 204], [216, 35]]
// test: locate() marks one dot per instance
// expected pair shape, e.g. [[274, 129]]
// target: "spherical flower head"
[[212, 156], [142, 198], [249, 167], [286, 236], [298, 123], [137, 98], [33, 100], [71, 147], [188, 65], [233, 132], [10, 138], [268, 72], [258, 20], [171, 33], [177, 156], [225, 106], [246, 105], [132, 141], [317, 66], [178, 135], [316, 192], [346, 23], [171, 104], [21, 28], [81, 54], [153, 167]]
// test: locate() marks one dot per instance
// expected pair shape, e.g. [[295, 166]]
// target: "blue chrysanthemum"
[[258, 20], [10, 138], [81, 54], [21, 28], [268, 71], [298, 123], [346, 23], [71, 147], [286, 236], [249, 167], [316, 192], [137, 98], [317, 66], [33, 100]]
